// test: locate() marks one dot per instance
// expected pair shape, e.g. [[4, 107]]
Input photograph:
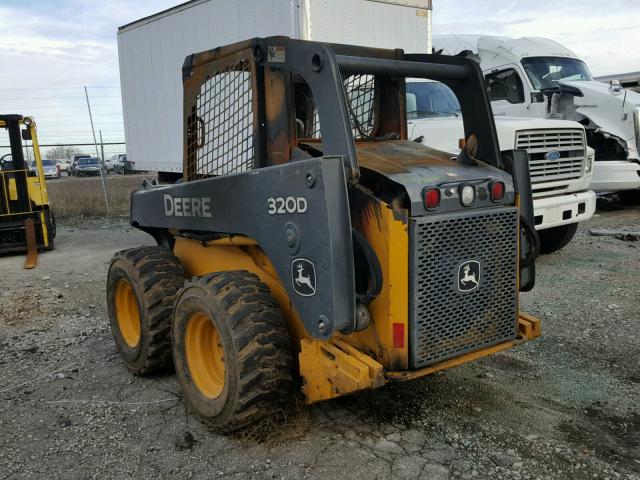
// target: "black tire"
[[254, 342], [556, 238], [629, 197], [51, 229], [154, 276]]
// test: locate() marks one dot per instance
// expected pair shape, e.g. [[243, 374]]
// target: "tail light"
[[497, 191], [431, 198], [398, 335]]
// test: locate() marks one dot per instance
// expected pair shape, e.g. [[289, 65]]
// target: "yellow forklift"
[[26, 220]]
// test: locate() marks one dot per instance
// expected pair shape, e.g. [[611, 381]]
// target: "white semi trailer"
[[537, 77], [152, 50]]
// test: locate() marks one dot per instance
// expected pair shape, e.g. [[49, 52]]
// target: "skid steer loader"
[[26, 219], [308, 237]]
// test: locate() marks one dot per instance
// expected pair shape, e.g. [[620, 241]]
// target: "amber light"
[[431, 198], [497, 191]]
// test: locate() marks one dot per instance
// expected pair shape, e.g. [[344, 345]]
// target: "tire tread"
[[262, 342], [161, 276]]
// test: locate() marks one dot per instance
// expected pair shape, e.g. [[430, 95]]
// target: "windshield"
[[544, 72], [430, 99], [88, 161], [47, 163]]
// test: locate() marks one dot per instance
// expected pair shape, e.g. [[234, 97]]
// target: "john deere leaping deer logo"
[[468, 275], [303, 275]]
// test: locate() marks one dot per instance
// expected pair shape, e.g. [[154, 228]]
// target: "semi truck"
[[560, 162], [538, 77]]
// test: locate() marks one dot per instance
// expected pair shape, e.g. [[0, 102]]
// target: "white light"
[[467, 195], [588, 166]]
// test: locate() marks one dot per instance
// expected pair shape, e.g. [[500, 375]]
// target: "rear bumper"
[[528, 329], [564, 209], [334, 368], [612, 175]]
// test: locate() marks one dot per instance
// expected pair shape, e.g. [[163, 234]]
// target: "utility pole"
[[101, 146], [95, 142]]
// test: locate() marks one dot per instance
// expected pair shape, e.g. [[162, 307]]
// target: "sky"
[[52, 48]]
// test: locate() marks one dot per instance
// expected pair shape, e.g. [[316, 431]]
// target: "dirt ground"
[[566, 406]]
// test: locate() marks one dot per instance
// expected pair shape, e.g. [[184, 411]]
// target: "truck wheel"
[[51, 228], [629, 197], [142, 284], [556, 238], [231, 349]]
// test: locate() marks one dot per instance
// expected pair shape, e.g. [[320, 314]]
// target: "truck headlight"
[[636, 125], [588, 163]]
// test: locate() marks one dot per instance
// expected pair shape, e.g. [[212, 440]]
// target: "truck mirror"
[[537, 97], [412, 106], [26, 134]]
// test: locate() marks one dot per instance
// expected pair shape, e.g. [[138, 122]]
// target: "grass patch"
[[73, 197], [294, 423]]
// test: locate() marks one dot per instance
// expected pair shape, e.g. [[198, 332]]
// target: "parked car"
[[111, 164], [49, 167], [73, 160], [124, 166], [63, 165], [86, 166]]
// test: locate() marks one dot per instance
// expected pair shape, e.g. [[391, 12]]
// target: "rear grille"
[[569, 143], [444, 321]]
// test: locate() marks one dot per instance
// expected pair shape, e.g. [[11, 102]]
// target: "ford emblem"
[[553, 155]]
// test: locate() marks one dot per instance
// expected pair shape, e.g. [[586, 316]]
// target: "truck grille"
[[569, 143], [445, 322]]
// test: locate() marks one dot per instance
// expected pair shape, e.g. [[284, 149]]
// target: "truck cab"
[[537, 77], [560, 162]]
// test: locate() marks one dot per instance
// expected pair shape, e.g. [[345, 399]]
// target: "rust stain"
[[398, 156], [394, 156]]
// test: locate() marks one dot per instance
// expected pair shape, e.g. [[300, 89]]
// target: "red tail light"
[[497, 191], [398, 335], [431, 198]]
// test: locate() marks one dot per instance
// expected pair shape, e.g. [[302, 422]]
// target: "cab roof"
[[493, 51]]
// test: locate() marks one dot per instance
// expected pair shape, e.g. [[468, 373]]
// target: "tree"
[[61, 152]]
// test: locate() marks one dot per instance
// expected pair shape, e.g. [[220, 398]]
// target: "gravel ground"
[[565, 406]]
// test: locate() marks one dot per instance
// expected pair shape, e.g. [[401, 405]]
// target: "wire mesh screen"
[[220, 129], [360, 91]]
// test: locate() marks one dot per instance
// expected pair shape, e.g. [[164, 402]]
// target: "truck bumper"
[[613, 175], [571, 208]]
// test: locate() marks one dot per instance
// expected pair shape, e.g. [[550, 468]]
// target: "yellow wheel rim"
[[205, 355], [127, 313]]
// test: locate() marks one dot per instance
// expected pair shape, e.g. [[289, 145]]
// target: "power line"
[[56, 88], [76, 116], [71, 106], [57, 98]]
